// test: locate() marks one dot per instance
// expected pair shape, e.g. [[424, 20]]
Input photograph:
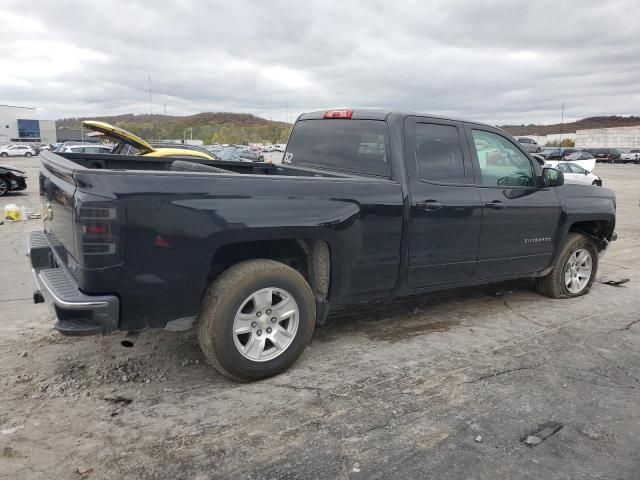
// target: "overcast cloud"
[[496, 61]]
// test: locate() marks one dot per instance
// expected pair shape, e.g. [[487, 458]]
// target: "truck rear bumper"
[[78, 314]]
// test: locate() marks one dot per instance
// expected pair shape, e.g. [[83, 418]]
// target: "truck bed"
[[173, 230], [135, 162]]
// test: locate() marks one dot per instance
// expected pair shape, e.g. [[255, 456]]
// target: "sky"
[[495, 61]]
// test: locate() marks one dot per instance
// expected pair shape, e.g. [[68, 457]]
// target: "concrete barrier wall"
[[554, 137], [618, 137]]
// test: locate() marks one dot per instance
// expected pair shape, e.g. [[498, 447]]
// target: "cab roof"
[[381, 114]]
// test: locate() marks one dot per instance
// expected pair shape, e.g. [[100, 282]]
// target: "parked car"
[[259, 255], [235, 153], [181, 146], [574, 173], [129, 144], [250, 154], [530, 145], [584, 159], [17, 151], [609, 155], [87, 148], [632, 156], [551, 153], [11, 180], [59, 147]]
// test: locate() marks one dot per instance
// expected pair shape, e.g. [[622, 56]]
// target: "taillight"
[[338, 114], [100, 238]]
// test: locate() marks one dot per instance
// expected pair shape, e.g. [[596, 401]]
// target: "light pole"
[[561, 124]]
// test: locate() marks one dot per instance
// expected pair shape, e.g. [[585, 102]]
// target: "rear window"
[[354, 146]]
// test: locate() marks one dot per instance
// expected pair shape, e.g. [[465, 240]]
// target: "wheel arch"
[[598, 227], [312, 257]]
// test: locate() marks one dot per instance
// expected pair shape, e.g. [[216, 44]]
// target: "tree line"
[[210, 127]]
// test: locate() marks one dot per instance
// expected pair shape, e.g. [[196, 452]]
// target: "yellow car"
[[130, 144]]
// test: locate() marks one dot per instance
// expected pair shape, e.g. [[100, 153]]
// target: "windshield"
[[355, 146]]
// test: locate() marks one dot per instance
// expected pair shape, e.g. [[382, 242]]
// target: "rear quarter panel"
[[196, 214]]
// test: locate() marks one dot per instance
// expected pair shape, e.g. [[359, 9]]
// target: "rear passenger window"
[[439, 153], [501, 163]]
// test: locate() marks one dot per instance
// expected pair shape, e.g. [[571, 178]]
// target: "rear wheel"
[[256, 319], [4, 187], [574, 270], [4, 154]]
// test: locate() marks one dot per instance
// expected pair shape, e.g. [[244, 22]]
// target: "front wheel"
[[28, 154], [574, 269], [256, 319]]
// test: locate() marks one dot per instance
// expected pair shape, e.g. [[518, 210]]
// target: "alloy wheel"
[[265, 325], [577, 271]]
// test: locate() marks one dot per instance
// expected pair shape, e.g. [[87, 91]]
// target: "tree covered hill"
[[210, 127], [571, 127]]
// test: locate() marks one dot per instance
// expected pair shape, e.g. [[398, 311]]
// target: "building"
[[21, 124], [623, 138]]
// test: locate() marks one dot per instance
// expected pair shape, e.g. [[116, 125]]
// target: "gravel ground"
[[484, 383]]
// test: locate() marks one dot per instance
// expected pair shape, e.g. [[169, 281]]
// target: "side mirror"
[[552, 177]]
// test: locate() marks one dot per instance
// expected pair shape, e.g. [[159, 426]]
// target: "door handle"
[[496, 204], [430, 205]]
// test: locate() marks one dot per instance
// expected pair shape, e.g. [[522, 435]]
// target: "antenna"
[[150, 104]]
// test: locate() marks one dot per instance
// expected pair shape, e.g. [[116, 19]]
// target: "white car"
[[582, 159], [574, 173], [91, 148], [17, 151], [632, 156]]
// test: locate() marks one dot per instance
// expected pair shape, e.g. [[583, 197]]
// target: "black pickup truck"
[[367, 205]]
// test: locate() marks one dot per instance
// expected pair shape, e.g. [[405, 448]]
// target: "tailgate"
[[57, 189]]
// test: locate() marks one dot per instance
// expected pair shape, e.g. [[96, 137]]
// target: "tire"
[[226, 299], [183, 166], [28, 154], [4, 187], [553, 285], [4, 154]]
